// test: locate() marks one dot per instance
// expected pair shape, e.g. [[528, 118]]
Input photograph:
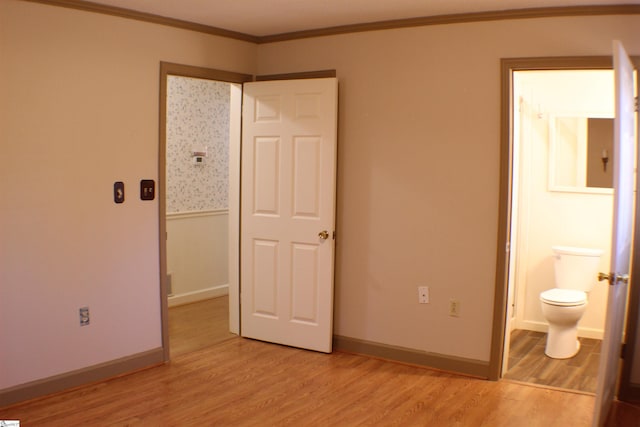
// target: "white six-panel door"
[[289, 142]]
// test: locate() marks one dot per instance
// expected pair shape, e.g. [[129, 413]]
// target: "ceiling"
[[270, 17]]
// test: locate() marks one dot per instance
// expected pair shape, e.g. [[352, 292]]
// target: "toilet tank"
[[576, 268]]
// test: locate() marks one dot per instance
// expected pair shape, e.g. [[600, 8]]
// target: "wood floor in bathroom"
[[528, 363]]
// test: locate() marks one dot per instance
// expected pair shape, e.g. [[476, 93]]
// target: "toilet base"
[[562, 343]]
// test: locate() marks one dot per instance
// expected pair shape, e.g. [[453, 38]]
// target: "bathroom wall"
[[547, 217], [197, 193]]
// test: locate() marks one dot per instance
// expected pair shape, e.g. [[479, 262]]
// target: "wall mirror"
[[581, 154]]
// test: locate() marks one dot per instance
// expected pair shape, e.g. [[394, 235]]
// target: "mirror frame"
[[551, 164]]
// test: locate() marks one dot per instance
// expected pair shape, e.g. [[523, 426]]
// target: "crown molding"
[[88, 6], [458, 18]]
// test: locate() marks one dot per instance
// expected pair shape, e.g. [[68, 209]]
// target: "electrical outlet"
[[84, 316], [423, 295], [454, 307]]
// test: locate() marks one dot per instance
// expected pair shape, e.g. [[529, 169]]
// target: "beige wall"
[[79, 108], [418, 167]]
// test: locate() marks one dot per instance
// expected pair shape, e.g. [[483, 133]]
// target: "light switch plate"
[[118, 192], [147, 189]]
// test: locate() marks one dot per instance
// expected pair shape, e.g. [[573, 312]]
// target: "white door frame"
[[235, 135]]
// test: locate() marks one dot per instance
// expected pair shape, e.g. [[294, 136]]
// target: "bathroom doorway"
[[561, 195], [198, 193]]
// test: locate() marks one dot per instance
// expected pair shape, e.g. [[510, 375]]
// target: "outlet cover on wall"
[[84, 316], [454, 307], [423, 294]]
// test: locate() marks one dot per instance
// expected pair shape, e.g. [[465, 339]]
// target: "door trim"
[[173, 69], [507, 67]]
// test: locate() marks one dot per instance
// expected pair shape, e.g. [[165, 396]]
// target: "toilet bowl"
[[563, 309], [563, 306]]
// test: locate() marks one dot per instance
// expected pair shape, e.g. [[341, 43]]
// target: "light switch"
[[147, 189], [118, 192]]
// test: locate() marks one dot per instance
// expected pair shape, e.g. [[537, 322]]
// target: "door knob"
[[613, 278], [324, 234]]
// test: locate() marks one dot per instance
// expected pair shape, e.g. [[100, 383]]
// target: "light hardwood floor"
[[240, 382], [198, 325]]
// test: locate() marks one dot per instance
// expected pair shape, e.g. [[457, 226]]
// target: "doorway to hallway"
[[198, 203]]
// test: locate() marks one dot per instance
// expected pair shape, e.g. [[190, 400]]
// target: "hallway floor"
[[198, 325]]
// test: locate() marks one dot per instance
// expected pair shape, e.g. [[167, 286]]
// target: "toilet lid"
[[563, 297]]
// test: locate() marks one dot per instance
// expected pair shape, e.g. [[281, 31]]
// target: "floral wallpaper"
[[197, 120]]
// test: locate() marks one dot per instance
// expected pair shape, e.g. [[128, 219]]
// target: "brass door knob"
[[613, 278], [324, 234]]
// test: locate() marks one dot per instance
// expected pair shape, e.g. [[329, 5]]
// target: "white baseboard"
[[199, 295], [530, 325]]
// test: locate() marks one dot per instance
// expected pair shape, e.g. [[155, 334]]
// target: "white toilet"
[[576, 271]]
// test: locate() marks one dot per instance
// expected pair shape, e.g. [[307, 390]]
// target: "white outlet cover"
[[423, 294], [454, 308]]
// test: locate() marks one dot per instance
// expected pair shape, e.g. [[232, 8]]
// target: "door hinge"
[[635, 106]]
